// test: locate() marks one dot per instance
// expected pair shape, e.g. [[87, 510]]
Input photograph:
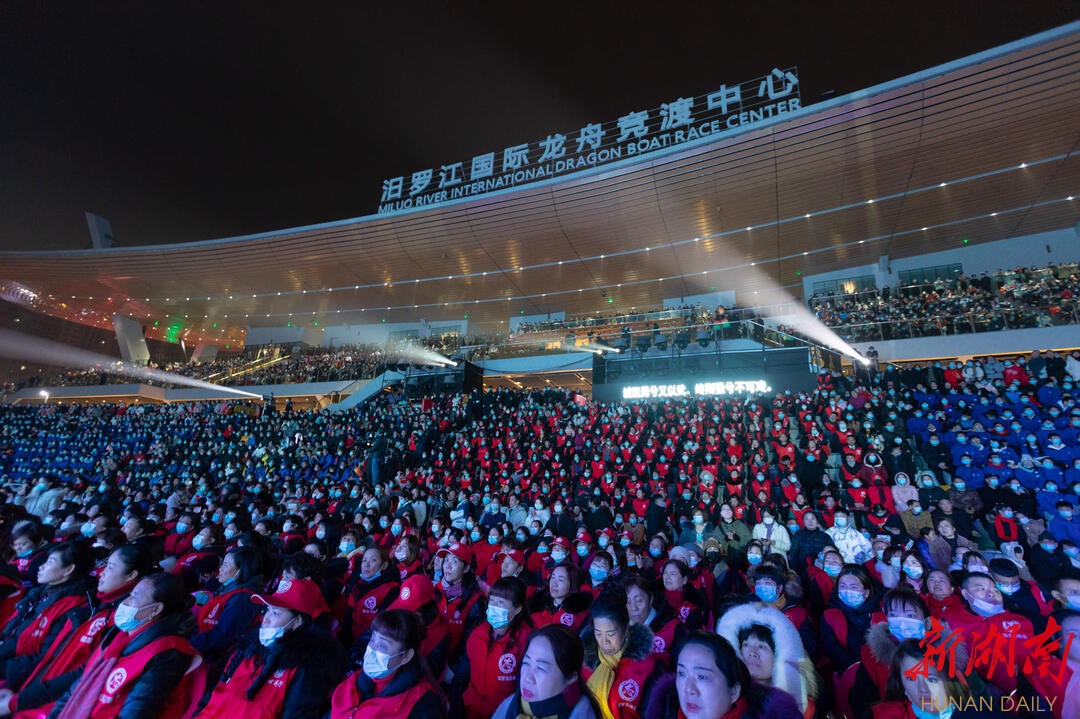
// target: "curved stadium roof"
[[983, 149]]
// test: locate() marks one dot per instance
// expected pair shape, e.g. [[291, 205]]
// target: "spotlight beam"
[[35, 349]]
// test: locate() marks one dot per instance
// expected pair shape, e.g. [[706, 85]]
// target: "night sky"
[[198, 120]]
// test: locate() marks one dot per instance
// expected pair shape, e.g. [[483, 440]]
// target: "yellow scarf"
[[600, 682]]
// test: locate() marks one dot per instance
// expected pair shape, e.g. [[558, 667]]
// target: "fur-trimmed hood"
[[792, 669], [639, 644]]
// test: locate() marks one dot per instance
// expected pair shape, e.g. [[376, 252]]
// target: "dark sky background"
[[199, 120]]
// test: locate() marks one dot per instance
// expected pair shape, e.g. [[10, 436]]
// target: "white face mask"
[[377, 664], [269, 635]]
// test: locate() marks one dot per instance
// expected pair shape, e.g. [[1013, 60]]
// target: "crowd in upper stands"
[[523, 554], [1020, 298]]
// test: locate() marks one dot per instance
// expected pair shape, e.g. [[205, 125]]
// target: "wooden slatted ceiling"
[[1020, 107]]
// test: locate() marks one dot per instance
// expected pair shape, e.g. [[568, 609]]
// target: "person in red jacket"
[[495, 649], [145, 666], [620, 665], [986, 614], [371, 591], [924, 692], [63, 662], [229, 615], [562, 601], [418, 595], [394, 681], [288, 667]]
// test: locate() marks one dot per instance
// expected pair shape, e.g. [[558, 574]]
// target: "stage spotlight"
[[682, 340], [703, 339]]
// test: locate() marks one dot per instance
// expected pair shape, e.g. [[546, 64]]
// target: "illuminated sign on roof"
[[638, 133]]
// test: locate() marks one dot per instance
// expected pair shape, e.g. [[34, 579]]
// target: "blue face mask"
[[833, 570], [582, 550], [907, 628], [851, 597], [597, 575], [498, 617], [655, 553], [753, 558], [395, 530], [475, 536], [767, 592]]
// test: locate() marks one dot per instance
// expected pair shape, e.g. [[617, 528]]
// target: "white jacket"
[[850, 542]]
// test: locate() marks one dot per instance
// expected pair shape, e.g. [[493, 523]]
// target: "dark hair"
[[759, 632], [77, 553], [573, 575], [302, 565], [402, 626], [611, 604], [511, 589], [910, 649], [773, 573], [902, 598], [566, 645], [136, 558], [248, 561], [169, 589], [30, 529], [859, 572], [412, 544], [1004, 567], [726, 658], [680, 565]]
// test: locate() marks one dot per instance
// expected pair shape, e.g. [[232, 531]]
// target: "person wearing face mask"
[[853, 546], [371, 588], [61, 600], [147, 648], [1064, 524], [494, 650], [562, 524], [461, 600], [418, 595], [199, 566], [178, 543], [29, 544], [927, 694], [905, 618], [229, 615], [562, 600], [1046, 561], [771, 587], [1020, 596], [852, 609], [407, 555], [395, 680], [292, 537], [986, 613], [62, 663], [285, 669]]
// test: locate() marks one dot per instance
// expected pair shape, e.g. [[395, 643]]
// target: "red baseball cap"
[[459, 550], [297, 595], [515, 554], [583, 537], [561, 542], [415, 593]]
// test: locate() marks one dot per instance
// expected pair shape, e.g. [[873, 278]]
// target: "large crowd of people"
[[525, 555], [1019, 298]]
